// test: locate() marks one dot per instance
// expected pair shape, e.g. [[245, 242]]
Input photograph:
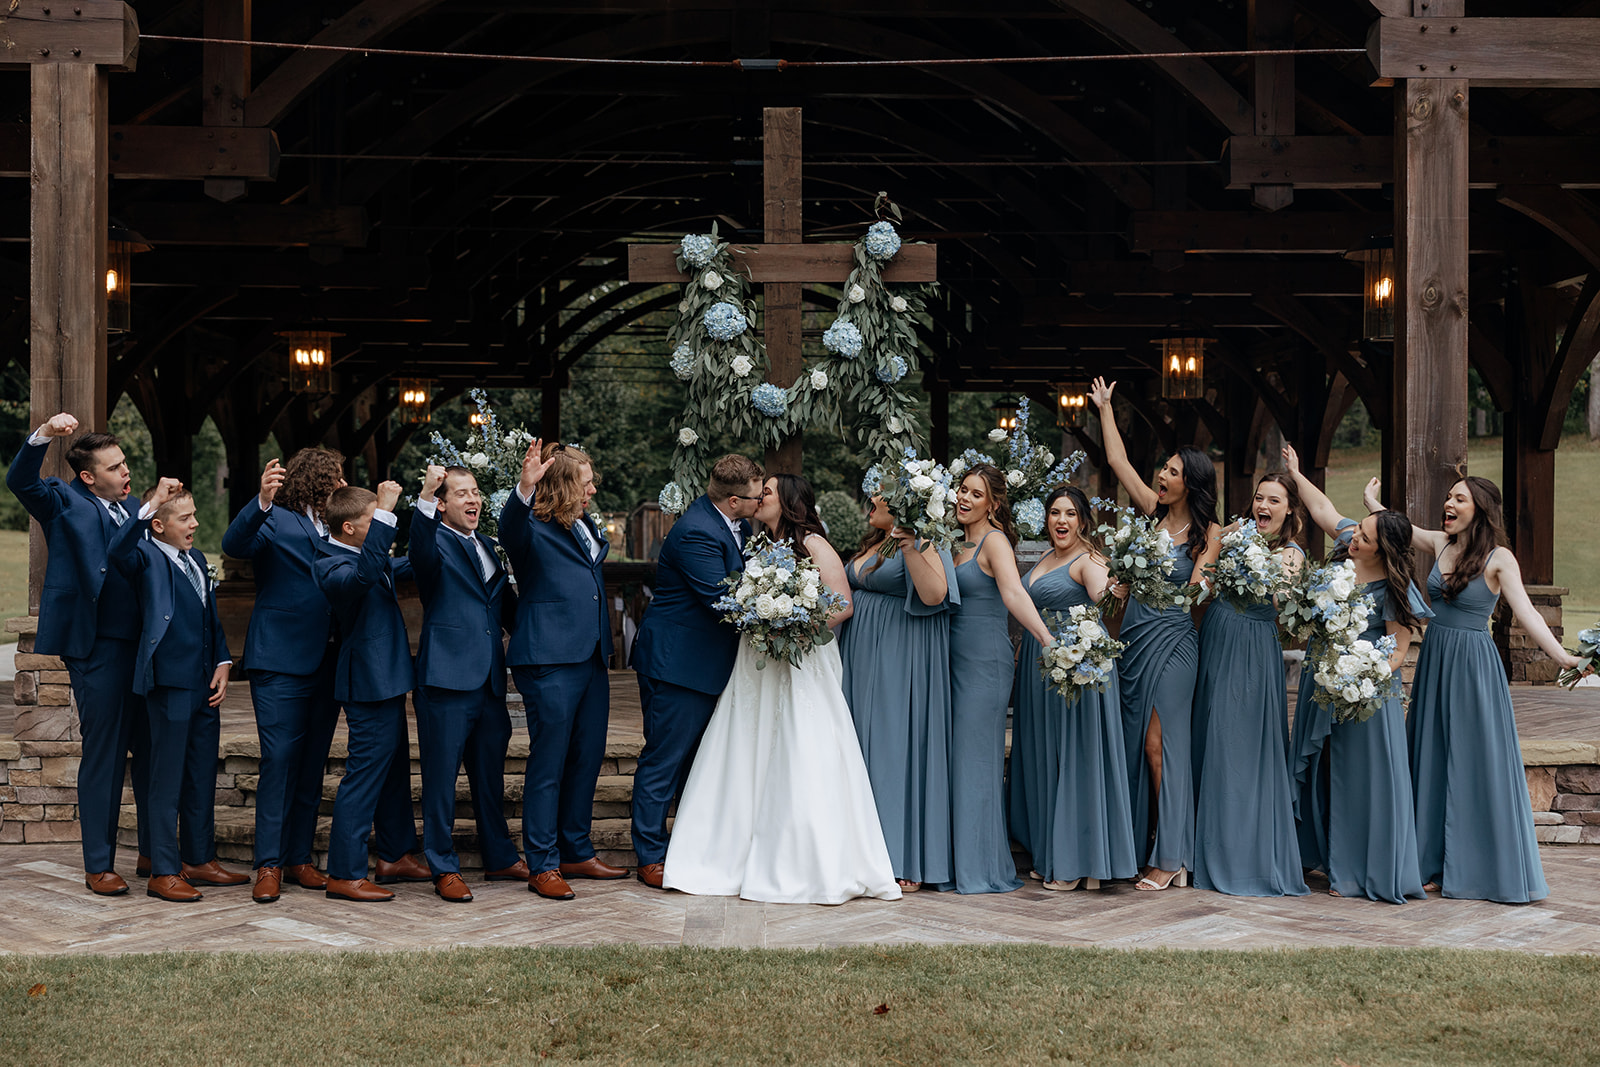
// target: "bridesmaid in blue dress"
[[1069, 772], [1157, 669], [1475, 833], [982, 664], [896, 652], [1352, 779], [1244, 836]]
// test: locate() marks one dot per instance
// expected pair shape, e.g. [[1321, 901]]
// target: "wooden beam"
[[1255, 275], [1272, 27], [272, 225], [225, 81], [1327, 232], [1523, 53], [1154, 313], [781, 215], [657, 263], [282, 270], [1568, 215], [102, 33], [165, 152], [1359, 162]]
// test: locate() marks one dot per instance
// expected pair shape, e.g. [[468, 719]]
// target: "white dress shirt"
[[172, 554], [486, 562]]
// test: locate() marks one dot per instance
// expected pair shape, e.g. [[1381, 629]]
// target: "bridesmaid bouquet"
[[1324, 602], [778, 602], [920, 494], [1353, 681], [1247, 572], [1082, 655], [1588, 650], [1140, 557], [1031, 470]]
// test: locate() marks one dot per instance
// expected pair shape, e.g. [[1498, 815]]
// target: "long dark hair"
[[1086, 520], [1200, 485], [994, 481], [1488, 532], [1294, 523], [1395, 560], [797, 512]]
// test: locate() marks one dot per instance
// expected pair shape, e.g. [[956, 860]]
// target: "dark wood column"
[[780, 183]]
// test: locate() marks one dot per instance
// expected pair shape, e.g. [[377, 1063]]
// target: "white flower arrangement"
[[856, 294], [779, 602], [1141, 557], [1354, 680], [1589, 651], [492, 452], [1247, 571], [921, 496], [1324, 603], [1083, 654], [1031, 470]]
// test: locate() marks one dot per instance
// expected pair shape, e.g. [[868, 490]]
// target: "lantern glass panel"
[[1377, 295], [1006, 415], [416, 400], [310, 361], [1183, 367], [1072, 405], [119, 287]]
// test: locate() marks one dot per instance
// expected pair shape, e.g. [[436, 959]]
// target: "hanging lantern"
[[1376, 256], [416, 400], [1183, 367], [121, 244], [310, 360], [1005, 415], [476, 418], [1072, 404]]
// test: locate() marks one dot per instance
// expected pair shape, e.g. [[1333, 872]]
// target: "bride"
[[777, 806]]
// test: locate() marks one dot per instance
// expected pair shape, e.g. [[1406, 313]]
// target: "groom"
[[684, 654]]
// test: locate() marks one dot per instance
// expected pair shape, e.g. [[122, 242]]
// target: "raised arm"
[[1003, 565], [252, 529], [23, 477], [1318, 506], [1143, 497], [424, 552], [514, 533], [1504, 569], [1432, 540]]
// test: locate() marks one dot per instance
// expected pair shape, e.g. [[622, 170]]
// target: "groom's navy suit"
[[683, 656], [89, 617], [559, 648]]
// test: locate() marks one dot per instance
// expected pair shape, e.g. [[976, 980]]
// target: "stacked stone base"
[[1525, 662], [1565, 793]]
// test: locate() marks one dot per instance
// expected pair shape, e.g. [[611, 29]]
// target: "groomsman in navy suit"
[[289, 653], [461, 671], [684, 653], [88, 617], [182, 672], [559, 649], [374, 675]]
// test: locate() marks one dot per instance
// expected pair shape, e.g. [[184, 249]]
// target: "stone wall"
[[39, 762], [1566, 798], [1525, 662]]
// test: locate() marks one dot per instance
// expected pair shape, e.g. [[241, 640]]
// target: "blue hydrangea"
[[893, 371], [881, 241], [770, 399], [844, 338], [673, 499], [497, 501], [699, 248], [725, 321], [1030, 517], [871, 480], [683, 362]]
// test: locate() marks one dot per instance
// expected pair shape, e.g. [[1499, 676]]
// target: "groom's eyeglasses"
[[738, 496]]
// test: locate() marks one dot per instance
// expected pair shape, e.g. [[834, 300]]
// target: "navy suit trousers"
[[456, 727], [295, 718], [111, 718], [674, 720], [376, 786], [568, 705], [184, 735]]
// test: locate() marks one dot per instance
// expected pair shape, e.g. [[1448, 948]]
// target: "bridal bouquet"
[[1082, 655], [1140, 557], [920, 494], [1589, 651], [1324, 602], [1247, 571], [1354, 680], [778, 602]]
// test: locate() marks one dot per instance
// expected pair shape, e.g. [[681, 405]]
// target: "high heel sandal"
[[1067, 887], [908, 887], [1180, 878], [1036, 876]]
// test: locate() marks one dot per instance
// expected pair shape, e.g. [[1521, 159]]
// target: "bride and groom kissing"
[[775, 802]]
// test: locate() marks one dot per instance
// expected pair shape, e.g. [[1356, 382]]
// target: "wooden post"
[[67, 262], [1429, 418], [225, 80], [1272, 26], [780, 180]]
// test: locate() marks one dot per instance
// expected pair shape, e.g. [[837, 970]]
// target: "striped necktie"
[[192, 572], [119, 514]]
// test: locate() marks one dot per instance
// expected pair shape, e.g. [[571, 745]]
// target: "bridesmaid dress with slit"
[[1475, 837]]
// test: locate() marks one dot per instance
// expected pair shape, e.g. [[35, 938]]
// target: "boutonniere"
[[599, 524], [213, 574]]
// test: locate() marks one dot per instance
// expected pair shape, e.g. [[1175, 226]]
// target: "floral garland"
[[870, 347]]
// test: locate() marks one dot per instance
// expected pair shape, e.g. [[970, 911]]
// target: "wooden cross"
[[783, 263]]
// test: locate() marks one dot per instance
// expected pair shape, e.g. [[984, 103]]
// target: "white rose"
[[898, 303], [935, 509], [1049, 459], [683, 307], [766, 605], [753, 570], [781, 575], [785, 605], [921, 483], [997, 435], [1074, 654], [957, 465], [687, 437], [746, 591], [1090, 629], [1058, 674], [819, 379], [1015, 478], [478, 459], [1351, 694], [894, 425], [712, 280], [857, 294], [511, 439], [741, 365]]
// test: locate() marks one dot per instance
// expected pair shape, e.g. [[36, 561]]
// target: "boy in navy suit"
[[87, 616], [374, 675], [182, 672], [461, 675]]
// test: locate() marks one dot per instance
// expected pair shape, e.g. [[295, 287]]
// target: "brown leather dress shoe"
[[592, 868], [269, 883], [452, 888], [551, 886], [358, 890], [650, 874], [105, 883], [306, 876], [142, 868], [517, 872], [213, 873], [407, 868], [171, 887]]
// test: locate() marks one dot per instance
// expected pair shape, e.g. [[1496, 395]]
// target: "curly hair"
[[560, 496], [994, 482], [310, 477]]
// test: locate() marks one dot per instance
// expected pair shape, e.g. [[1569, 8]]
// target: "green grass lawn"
[[891, 1005], [13, 576]]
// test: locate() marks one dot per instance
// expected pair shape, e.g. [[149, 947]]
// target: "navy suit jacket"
[[291, 621], [180, 643], [84, 598], [374, 652], [561, 589], [682, 639], [462, 615]]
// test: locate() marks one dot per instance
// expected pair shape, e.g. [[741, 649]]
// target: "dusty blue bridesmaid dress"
[[1157, 673], [1475, 837], [1244, 837], [1353, 783], [1069, 777], [896, 653], [980, 688]]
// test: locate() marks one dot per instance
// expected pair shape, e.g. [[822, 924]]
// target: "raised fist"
[[432, 480], [388, 495], [62, 425], [271, 481], [165, 490]]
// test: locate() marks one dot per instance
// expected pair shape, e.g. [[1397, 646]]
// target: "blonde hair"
[[560, 495]]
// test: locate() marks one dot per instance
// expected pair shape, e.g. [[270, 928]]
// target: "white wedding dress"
[[777, 807]]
